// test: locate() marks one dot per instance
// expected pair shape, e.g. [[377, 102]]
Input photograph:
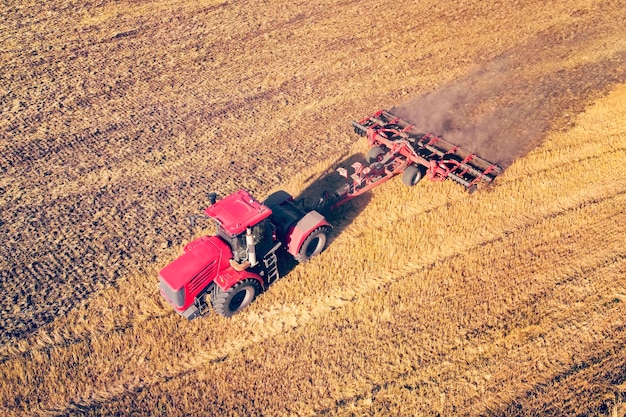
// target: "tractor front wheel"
[[412, 175], [313, 244], [236, 298]]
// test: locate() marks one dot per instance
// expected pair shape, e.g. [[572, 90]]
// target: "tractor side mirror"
[[212, 198]]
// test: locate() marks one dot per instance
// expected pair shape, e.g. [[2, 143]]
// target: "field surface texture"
[[118, 117]]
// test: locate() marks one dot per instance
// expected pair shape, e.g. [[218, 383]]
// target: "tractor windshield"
[[237, 243], [261, 233]]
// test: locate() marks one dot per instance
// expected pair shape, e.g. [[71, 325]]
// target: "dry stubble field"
[[117, 117]]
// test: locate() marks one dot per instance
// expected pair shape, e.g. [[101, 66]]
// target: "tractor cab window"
[[237, 243], [258, 232], [262, 233]]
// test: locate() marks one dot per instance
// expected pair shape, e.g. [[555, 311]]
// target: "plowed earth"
[[116, 119]]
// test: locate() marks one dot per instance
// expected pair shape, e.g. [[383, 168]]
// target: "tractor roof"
[[237, 212]]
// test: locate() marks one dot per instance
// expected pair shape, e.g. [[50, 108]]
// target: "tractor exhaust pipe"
[[250, 247]]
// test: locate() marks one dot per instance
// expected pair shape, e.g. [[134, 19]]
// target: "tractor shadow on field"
[[339, 218]]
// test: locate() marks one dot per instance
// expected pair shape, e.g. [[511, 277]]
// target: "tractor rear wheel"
[[313, 244], [375, 154], [412, 175], [236, 298]]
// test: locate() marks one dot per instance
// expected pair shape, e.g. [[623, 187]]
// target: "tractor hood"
[[194, 269]]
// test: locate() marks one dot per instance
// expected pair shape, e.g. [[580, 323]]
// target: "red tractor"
[[230, 269], [234, 266]]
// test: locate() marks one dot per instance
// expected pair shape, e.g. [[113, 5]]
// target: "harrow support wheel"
[[412, 175], [375, 154], [236, 298], [313, 244]]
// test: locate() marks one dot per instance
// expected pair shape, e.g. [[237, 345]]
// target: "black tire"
[[412, 175], [313, 244], [375, 154], [236, 298]]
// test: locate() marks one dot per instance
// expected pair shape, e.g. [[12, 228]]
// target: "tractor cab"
[[244, 224]]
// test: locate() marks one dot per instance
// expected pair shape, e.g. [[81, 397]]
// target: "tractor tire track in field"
[[274, 325], [406, 380], [547, 398]]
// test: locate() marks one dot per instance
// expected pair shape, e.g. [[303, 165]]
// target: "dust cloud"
[[503, 109]]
